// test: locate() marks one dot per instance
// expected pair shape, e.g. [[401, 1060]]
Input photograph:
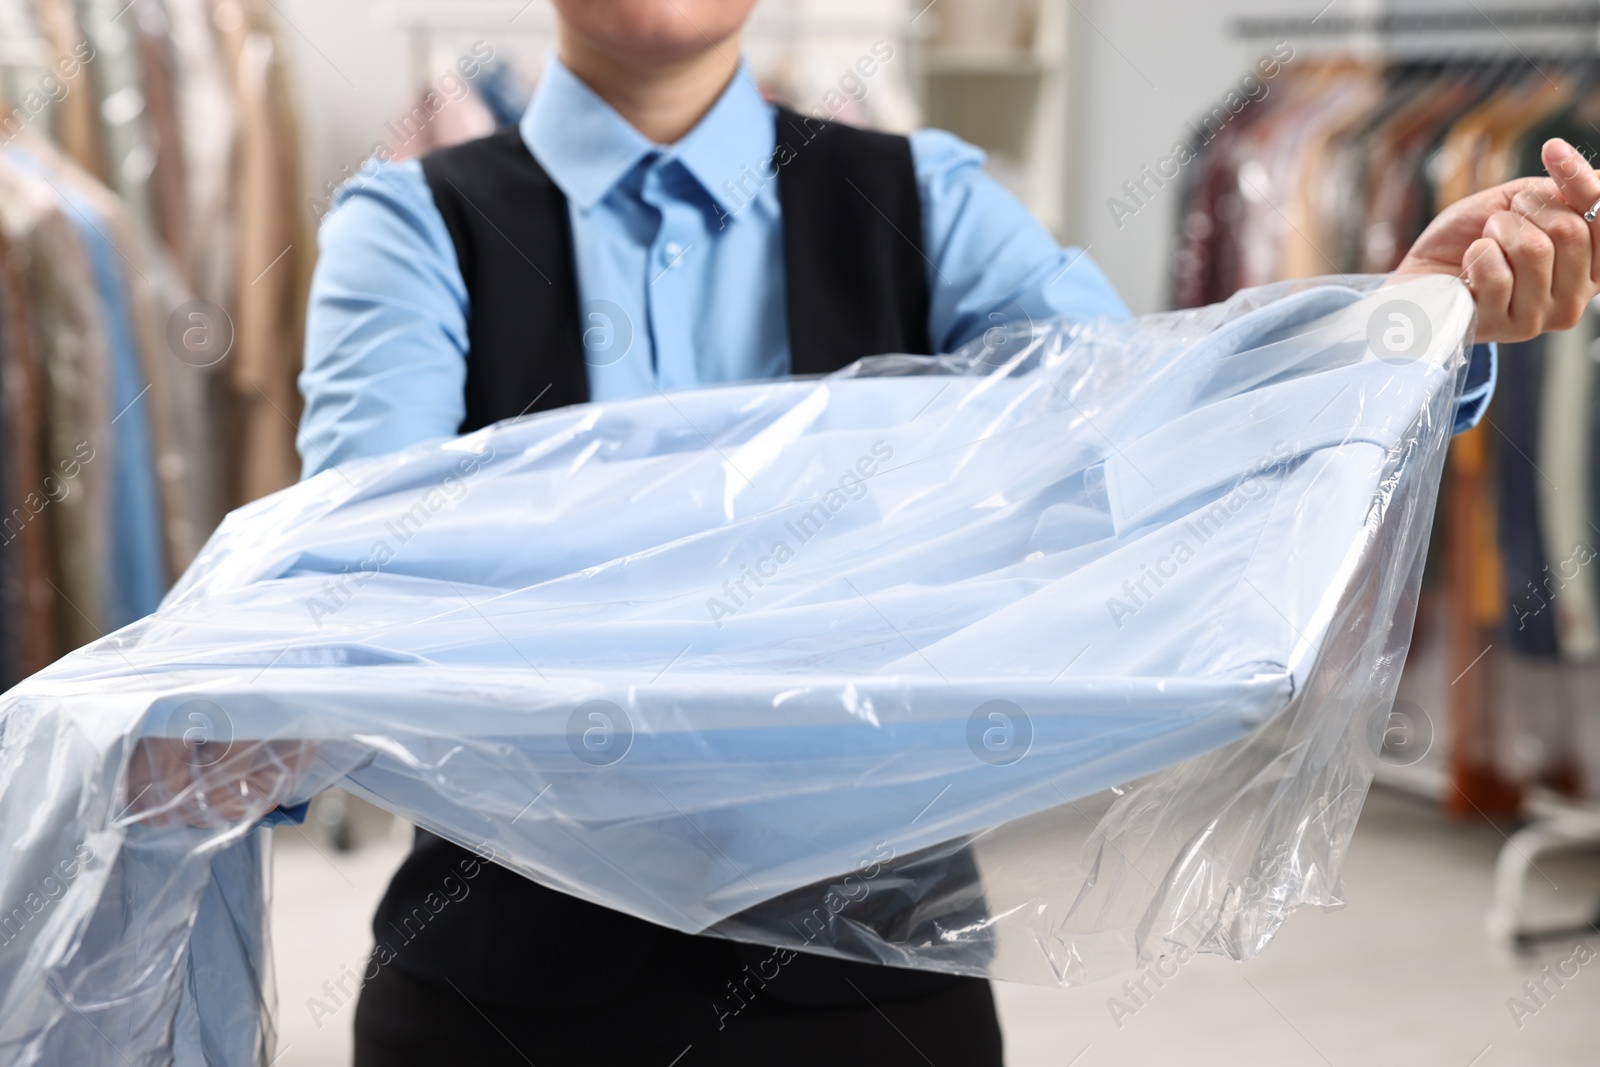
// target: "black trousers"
[[403, 1021]]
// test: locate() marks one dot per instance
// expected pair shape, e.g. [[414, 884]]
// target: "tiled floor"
[[1402, 975]]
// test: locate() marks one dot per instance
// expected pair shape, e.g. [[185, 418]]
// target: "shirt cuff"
[[286, 815], [1482, 372]]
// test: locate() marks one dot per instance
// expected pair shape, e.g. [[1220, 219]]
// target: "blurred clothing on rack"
[[1338, 170], [273, 256], [132, 138], [125, 482]]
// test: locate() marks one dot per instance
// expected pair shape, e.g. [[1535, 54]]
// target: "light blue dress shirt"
[[679, 257], [830, 609]]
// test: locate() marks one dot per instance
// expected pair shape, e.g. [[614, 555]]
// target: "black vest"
[[857, 286], [852, 242]]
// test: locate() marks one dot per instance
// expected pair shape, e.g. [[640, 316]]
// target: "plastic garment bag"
[[1041, 660]]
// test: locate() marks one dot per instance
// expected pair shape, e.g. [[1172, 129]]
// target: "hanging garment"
[[1570, 545], [1440, 130], [24, 529], [114, 428], [135, 569], [182, 421], [1349, 155], [136, 565], [1311, 245], [1530, 624], [208, 130], [11, 577], [77, 122], [1392, 212], [267, 320], [158, 65], [21, 76], [75, 389], [124, 119], [723, 658]]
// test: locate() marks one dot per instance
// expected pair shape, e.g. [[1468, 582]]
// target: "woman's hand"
[[1523, 248], [211, 785]]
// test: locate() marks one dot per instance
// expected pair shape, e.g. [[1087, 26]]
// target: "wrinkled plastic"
[[1041, 661]]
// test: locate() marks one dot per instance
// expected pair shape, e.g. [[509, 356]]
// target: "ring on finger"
[[1593, 212]]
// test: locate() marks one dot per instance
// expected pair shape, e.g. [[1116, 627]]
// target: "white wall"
[[350, 79], [1145, 68]]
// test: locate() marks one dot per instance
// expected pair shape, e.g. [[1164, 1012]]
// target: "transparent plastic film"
[[1041, 660]]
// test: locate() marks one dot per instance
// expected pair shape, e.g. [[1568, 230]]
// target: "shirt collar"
[[587, 148]]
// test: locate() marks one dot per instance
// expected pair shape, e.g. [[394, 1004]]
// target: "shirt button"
[[670, 252]]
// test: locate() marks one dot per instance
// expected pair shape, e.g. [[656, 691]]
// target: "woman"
[[652, 223]]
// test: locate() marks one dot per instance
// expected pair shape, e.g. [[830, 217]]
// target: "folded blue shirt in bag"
[[685, 654]]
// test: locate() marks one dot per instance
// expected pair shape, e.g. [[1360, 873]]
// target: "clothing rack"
[[150, 317], [1395, 24], [1551, 30], [1477, 775]]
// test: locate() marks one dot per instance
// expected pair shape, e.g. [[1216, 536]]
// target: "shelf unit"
[[997, 75]]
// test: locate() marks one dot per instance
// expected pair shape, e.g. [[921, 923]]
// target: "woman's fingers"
[[1531, 259], [1579, 187], [167, 781], [1531, 256], [1578, 183], [1571, 283], [1488, 275]]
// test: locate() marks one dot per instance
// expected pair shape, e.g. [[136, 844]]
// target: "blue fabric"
[[137, 565], [1530, 624], [1483, 371], [287, 814], [685, 241], [137, 569], [679, 259], [857, 616]]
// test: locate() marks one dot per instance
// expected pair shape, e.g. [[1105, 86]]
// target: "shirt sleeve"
[[1481, 374], [386, 325], [990, 262]]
